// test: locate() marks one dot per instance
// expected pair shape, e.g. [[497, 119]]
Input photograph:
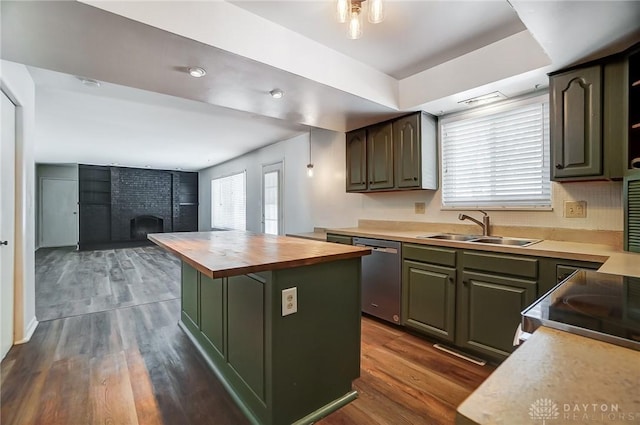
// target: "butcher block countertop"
[[562, 378], [231, 253]]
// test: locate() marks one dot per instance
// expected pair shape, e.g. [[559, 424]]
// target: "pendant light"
[[310, 164]]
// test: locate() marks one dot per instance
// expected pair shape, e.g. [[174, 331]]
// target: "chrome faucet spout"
[[484, 224]]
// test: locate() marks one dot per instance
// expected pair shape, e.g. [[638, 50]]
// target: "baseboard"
[[31, 328]]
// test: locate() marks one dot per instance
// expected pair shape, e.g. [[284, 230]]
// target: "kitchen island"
[[280, 369]]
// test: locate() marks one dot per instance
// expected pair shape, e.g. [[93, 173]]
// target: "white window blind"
[[229, 202], [498, 157]]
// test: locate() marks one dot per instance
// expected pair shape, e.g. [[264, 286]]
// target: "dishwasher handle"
[[379, 248]]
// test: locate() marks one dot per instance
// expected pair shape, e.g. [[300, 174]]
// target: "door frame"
[[9, 212], [267, 168], [40, 209]]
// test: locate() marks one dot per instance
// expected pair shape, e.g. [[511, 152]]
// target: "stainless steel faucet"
[[485, 224]]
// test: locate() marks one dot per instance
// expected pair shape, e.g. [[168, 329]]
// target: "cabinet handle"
[[415, 178], [4, 243], [559, 166], [465, 282], [450, 279]]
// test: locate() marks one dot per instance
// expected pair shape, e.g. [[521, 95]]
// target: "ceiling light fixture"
[[352, 11], [89, 82], [484, 99], [197, 72], [310, 164], [276, 93]]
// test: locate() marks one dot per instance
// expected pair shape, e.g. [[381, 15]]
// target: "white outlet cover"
[[289, 301]]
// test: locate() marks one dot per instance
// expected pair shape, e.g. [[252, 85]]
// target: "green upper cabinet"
[[394, 155], [414, 166], [631, 128], [357, 160], [576, 123], [591, 109], [380, 156]]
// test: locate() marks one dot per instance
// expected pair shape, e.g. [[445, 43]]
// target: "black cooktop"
[[593, 304]]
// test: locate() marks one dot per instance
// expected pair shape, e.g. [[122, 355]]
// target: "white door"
[[58, 225], [272, 222], [7, 222]]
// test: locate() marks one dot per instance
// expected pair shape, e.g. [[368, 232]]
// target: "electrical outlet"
[[420, 207], [289, 301], [575, 209]]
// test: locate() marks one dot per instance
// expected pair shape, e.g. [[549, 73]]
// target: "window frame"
[[533, 98]]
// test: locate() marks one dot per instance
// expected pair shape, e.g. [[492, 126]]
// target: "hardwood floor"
[[69, 282], [133, 365]]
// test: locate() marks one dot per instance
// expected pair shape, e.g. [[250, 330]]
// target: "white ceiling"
[[119, 125], [426, 55], [414, 36]]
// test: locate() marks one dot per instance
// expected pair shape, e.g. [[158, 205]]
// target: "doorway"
[[58, 214], [7, 222], [272, 216]]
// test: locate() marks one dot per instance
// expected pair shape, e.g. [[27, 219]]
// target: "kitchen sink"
[[493, 240], [505, 241], [450, 237]]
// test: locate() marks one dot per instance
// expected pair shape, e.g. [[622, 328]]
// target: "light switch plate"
[[289, 301]]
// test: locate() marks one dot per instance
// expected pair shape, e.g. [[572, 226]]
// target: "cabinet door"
[[489, 311], [380, 156], [576, 123], [189, 295], [429, 299], [357, 161], [406, 140], [211, 312]]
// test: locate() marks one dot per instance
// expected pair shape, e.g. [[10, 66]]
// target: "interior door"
[[58, 225], [7, 222]]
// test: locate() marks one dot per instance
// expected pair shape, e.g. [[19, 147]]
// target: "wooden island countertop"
[[231, 253]]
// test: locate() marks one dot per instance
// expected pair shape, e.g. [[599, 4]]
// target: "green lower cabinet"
[[489, 308], [555, 270], [429, 299], [190, 294], [279, 369]]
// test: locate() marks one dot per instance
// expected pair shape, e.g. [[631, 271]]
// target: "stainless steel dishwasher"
[[381, 280]]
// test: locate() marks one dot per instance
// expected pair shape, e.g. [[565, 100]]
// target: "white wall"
[[333, 207], [297, 212], [54, 171], [17, 83], [323, 202]]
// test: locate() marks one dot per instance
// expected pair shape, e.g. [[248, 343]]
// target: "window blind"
[[497, 158], [229, 202]]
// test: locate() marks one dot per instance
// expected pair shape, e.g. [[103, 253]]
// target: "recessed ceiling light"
[[197, 72], [147, 166], [89, 82], [276, 93]]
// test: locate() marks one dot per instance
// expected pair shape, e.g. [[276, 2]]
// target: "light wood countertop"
[[587, 381], [231, 253], [615, 260]]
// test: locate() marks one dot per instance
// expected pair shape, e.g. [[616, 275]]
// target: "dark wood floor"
[[69, 283], [133, 365]]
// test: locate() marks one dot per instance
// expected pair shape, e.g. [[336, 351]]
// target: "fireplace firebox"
[[142, 225]]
